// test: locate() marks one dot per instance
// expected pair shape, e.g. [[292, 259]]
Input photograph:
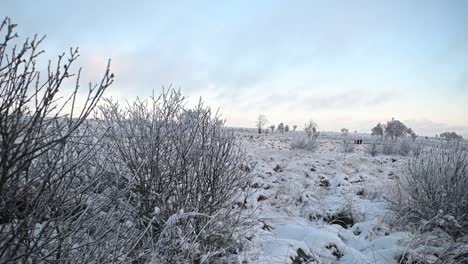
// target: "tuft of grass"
[[433, 189], [304, 142]]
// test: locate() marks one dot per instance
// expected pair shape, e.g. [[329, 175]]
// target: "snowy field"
[[325, 206]]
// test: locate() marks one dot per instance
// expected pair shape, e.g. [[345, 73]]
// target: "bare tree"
[[46, 146], [281, 128], [451, 136], [261, 122], [348, 144], [378, 130], [311, 129], [294, 127], [272, 127], [395, 129]]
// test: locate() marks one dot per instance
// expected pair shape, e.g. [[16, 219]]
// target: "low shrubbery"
[[348, 145], [155, 181], [372, 148], [304, 142], [433, 189], [185, 169]]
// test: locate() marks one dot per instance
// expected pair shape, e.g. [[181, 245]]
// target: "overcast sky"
[[342, 63]]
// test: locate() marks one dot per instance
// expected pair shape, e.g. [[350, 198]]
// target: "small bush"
[[404, 147], [434, 188], [389, 148], [416, 149], [348, 145], [304, 142], [185, 169], [372, 148]]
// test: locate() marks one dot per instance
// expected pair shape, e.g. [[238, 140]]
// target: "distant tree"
[[286, 128], [345, 131], [281, 127], [294, 127], [272, 127], [261, 122], [395, 129], [378, 130], [451, 136], [311, 129], [410, 132]]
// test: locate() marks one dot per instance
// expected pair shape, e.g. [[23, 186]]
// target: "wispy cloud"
[[431, 128], [343, 61]]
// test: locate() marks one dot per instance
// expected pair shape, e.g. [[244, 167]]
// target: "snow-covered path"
[[321, 207]]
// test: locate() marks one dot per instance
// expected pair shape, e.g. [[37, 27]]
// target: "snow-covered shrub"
[[304, 142], [372, 148], [185, 170], [389, 148], [311, 130], [47, 171], [348, 145], [404, 147], [417, 149], [434, 188]]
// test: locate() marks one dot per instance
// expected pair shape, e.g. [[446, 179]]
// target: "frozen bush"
[[47, 174], [186, 173], [372, 148], [311, 130], [433, 188], [417, 149], [304, 142], [389, 148], [405, 147], [348, 145]]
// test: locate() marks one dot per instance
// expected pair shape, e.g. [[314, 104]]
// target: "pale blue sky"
[[342, 63]]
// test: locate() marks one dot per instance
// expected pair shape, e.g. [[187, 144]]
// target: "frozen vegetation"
[[157, 181], [333, 206]]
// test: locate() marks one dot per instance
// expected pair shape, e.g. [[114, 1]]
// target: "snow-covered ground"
[[325, 206]]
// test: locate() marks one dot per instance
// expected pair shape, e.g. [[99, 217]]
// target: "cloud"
[[319, 99], [427, 127]]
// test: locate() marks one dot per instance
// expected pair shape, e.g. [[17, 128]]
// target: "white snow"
[[300, 193]]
